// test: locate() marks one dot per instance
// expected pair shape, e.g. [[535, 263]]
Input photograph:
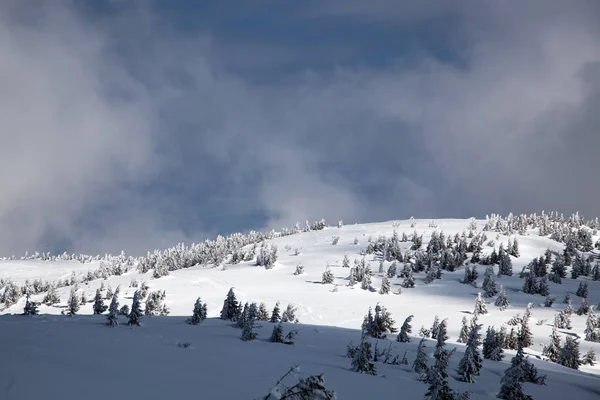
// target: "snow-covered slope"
[[65, 351]]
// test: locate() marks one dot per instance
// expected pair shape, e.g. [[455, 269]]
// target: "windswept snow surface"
[[57, 356]]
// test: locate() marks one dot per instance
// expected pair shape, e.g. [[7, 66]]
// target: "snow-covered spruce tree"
[[385, 285], [277, 334], [52, 296], [480, 308], [109, 293], [197, 313], [589, 358], [420, 363], [73, 303], [563, 320], [346, 261], [471, 363], [437, 375], [569, 354], [543, 288], [552, 349], [124, 310], [365, 284], [504, 264], [584, 308], [248, 327], [463, 336], [99, 306], [489, 283], [31, 307], [362, 358], [471, 275], [263, 313], [512, 387], [328, 277], [113, 312], [525, 334], [592, 327], [289, 315], [135, 315], [155, 304], [405, 330], [299, 269], [409, 280], [502, 300], [230, 306], [435, 326], [83, 299], [392, 270], [582, 290], [530, 285], [383, 322], [515, 249], [240, 321], [493, 345], [276, 314]]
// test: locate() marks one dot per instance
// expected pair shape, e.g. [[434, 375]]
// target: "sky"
[[135, 125]]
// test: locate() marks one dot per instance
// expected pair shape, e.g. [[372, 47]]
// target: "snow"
[[55, 356]]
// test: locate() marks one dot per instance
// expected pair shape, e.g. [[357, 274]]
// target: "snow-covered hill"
[[55, 356]]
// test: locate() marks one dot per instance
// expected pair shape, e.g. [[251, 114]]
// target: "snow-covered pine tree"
[[512, 388], [52, 296], [135, 315], [515, 249], [385, 285], [113, 312], [563, 320], [589, 358], [584, 308], [248, 326], [230, 307], [365, 284], [480, 308], [409, 279], [543, 287], [31, 307], [242, 320], [109, 293], [346, 261], [530, 285], [592, 327], [73, 303], [197, 313], [437, 375], [552, 349], [471, 363], [569, 353], [405, 330], [383, 323], [289, 315], [489, 283], [504, 264], [362, 358], [582, 290], [263, 313], [299, 269], [502, 300], [392, 270], [328, 277], [435, 327], [277, 334], [276, 314], [525, 334], [99, 306], [493, 345], [420, 363], [463, 336]]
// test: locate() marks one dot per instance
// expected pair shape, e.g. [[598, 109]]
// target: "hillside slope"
[[326, 305]]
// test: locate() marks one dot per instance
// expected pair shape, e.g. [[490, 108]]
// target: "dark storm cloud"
[[135, 125]]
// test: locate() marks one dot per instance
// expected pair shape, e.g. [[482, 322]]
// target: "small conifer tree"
[[385, 285], [502, 300], [480, 308], [73, 303], [135, 315], [99, 306], [328, 277], [420, 363], [276, 314], [113, 312], [405, 330], [471, 363]]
